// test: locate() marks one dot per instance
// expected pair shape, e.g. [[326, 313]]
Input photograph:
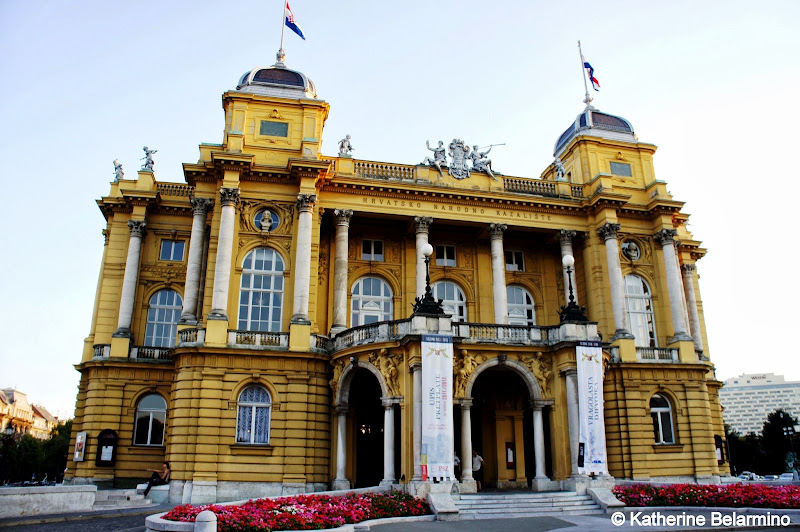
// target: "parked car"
[[770, 477], [747, 475], [786, 476]]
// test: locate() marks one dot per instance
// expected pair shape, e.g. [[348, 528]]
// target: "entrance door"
[[365, 403]]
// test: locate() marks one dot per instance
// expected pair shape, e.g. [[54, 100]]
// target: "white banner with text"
[[437, 407]]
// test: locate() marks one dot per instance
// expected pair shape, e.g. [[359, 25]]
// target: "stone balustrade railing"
[[383, 331], [143, 352], [101, 350], [175, 189], [191, 337], [530, 186], [656, 354], [258, 340], [502, 334], [384, 171]]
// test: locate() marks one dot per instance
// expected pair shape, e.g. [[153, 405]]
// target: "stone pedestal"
[[442, 502]]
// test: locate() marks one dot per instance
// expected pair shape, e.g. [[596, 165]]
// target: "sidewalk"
[[81, 516]]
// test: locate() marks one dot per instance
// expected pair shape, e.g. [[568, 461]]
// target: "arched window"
[[371, 302], [151, 415], [520, 306], [661, 412], [162, 319], [452, 297], [252, 421], [261, 295], [639, 305]]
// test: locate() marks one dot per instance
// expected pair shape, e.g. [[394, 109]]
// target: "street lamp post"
[[571, 311], [427, 304]]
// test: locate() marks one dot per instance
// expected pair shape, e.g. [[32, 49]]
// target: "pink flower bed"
[[728, 496], [305, 512]]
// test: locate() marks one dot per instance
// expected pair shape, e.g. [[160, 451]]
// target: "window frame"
[[372, 255], [643, 317], [254, 407], [459, 306], [249, 274], [657, 414], [443, 258], [153, 321], [514, 266], [150, 412], [371, 306], [530, 321], [172, 244]]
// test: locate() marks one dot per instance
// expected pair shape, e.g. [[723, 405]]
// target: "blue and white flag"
[[290, 23]]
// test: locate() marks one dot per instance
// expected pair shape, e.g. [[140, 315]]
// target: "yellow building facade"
[[253, 326]]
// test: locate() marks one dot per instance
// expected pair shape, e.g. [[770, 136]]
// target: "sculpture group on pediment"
[[460, 155]]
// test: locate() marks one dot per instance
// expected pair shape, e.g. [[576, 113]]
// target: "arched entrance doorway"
[[367, 428], [502, 429]]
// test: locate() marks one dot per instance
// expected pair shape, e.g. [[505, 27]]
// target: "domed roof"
[[277, 80], [593, 122]]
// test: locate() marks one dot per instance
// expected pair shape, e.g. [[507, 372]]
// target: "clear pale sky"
[[713, 84]]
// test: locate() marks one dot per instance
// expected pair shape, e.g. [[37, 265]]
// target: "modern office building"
[[748, 399], [253, 324]]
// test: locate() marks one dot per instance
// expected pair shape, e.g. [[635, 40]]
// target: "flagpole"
[[587, 100], [281, 53]]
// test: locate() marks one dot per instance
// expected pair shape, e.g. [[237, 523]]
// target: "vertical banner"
[[437, 407], [592, 439]]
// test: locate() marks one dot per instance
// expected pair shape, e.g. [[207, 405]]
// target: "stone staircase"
[[119, 499], [523, 504]]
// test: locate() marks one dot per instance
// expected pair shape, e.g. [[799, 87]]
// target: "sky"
[[712, 84]]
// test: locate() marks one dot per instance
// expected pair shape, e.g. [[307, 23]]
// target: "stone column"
[[608, 232], [466, 441], [566, 237], [416, 370], [499, 295], [302, 262], [691, 304], [388, 441], [341, 481], [229, 198], [201, 206], [538, 442], [666, 237], [571, 375], [129, 281], [342, 218], [422, 225]]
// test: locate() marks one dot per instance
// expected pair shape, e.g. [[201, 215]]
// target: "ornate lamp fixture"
[[426, 304], [571, 311]]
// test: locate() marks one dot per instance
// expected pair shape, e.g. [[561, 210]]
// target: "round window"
[[631, 250], [267, 220]]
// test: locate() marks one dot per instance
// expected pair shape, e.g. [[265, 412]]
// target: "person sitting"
[[158, 478]]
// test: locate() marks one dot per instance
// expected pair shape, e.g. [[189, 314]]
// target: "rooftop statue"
[[481, 163], [345, 147], [560, 172], [118, 172], [459, 153], [148, 159], [439, 158]]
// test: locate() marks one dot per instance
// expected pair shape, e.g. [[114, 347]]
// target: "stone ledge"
[[36, 500]]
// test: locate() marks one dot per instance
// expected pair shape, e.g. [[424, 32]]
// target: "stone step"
[[104, 495], [117, 505], [527, 499], [543, 512], [523, 506]]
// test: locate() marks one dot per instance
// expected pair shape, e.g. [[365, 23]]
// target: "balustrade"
[[175, 189], [255, 339], [384, 171], [142, 352], [656, 354]]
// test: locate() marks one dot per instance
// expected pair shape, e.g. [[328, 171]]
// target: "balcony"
[[656, 354], [258, 340], [141, 352]]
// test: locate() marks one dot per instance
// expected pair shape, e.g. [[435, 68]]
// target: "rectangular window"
[[171, 250], [274, 129], [372, 250], [623, 169], [445, 255], [514, 261]]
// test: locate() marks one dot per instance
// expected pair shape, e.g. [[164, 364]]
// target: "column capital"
[[305, 202], [465, 403], [415, 366], [566, 235], [665, 237], [342, 409], [688, 269], [422, 224], [608, 231], [201, 205], [137, 227], [496, 231], [569, 371], [343, 216], [229, 196], [106, 234]]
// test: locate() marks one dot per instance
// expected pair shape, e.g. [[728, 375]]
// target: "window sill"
[[245, 449], [667, 447], [147, 449]]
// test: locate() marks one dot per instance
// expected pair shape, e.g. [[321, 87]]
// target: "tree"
[[776, 442], [56, 451], [27, 457], [745, 452]]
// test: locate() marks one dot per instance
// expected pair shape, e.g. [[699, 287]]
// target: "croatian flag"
[[589, 73], [290, 23]]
